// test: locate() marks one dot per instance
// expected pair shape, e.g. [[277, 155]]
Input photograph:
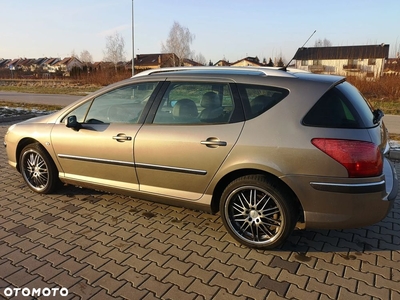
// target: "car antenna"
[[285, 67]]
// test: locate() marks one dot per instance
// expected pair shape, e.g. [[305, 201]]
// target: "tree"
[[73, 54], [115, 49], [86, 57], [280, 62], [200, 59], [264, 62], [178, 42], [322, 43], [270, 63]]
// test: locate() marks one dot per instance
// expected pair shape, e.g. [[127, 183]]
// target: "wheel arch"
[[22, 144], [225, 180]]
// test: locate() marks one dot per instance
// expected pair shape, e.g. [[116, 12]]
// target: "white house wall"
[[340, 67]]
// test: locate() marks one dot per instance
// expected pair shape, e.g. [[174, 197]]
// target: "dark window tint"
[[340, 107], [361, 105], [258, 98]]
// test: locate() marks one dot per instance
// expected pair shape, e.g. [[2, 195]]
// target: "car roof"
[[213, 71]]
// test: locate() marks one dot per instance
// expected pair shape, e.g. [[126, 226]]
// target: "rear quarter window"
[[341, 107], [257, 99]]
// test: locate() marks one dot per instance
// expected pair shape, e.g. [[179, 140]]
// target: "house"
[[49, 65], [67, 64], [360, 61], [392, 66], [247, 62], [13, 64], [4, 63], [25, 64], [154, 61], [37, 64], [222, 63], [191, 63]]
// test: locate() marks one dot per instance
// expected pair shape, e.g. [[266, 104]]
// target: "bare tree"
[[323, 43], [178, 42], [86, 57], [115, 49], [73, 54], [200, 59]]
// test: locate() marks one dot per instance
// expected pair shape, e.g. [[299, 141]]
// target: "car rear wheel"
[[38, 169], [257, 212]]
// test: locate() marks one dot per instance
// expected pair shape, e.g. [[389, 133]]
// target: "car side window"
[[195, 103], [121, 105], [258, 98]]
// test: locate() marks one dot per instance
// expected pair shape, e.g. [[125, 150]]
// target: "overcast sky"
[[223, 29]]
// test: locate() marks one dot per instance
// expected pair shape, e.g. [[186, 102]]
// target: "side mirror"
[[72, 122]]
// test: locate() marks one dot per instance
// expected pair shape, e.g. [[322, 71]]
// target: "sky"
[[223, 29]]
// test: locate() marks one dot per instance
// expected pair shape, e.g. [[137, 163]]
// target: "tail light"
[[361, 159]]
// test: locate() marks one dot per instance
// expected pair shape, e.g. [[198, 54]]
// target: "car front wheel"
[[257, 212], [38, 169]]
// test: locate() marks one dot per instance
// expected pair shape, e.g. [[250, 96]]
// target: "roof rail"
[[276, 71]]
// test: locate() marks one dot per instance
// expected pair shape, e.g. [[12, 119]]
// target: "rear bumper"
[[338, 203], [391, 179]]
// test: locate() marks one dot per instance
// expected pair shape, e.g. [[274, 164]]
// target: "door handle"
[[122, 137], [213, 142]]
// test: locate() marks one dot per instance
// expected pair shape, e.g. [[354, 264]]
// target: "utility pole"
[[133, 43]]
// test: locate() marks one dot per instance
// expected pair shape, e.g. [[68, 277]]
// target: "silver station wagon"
[[270, 149]]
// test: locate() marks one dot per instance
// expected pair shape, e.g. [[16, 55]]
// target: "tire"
[[257, 212], [38, 169]]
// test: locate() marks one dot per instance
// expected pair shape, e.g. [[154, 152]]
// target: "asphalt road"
[[392, 121], [48, 99]]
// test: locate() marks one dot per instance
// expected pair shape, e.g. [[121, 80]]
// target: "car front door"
[[100, 150], [193, 130]]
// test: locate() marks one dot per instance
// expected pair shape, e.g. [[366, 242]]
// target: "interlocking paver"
[[158, 272], [201, 274], [367, 278], [299, 280], [95, 260], [175, 293], [348, 283], [107, 246], [250, 277], [155, 286], [297, 293], [380, 293], [326, 289], [113, 268], [47, 271], [202, 289], [179, 280], [127, 291], [20, 277], [62, 246], [383, 271], [180, 266], [109, 283], [251, 292]]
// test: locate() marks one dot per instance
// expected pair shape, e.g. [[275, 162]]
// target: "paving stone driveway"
[[106, 246]]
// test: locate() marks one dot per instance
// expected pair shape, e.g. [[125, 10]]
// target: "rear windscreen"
[[341, 107]]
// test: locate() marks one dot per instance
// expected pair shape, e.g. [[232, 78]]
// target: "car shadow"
[[349, 243]]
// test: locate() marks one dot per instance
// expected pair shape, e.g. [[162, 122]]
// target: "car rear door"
[[178, 152]]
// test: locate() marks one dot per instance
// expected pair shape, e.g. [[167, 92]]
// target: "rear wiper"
[[378, 115]]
